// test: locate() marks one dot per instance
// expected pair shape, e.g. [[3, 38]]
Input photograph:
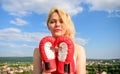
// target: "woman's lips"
[[57, 30]]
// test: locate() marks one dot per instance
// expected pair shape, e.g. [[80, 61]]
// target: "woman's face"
[[56, 25]]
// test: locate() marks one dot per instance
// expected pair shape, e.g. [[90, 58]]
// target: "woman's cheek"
[[50, 26]]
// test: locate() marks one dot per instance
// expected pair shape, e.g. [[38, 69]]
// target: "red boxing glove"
[[65, 55], [47, 54]]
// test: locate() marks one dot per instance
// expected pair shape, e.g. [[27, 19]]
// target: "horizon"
[[32, 57], [97, 25]]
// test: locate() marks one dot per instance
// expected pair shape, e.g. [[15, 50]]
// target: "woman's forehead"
[[55, 15]]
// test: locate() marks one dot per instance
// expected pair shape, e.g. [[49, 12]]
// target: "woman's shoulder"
[[79, 47], [79, 50], [36, 49], [36, 52]]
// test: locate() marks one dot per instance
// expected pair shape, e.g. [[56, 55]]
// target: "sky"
[[97, 25]]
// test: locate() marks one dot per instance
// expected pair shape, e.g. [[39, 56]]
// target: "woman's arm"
[[37, 63], [80, 60]]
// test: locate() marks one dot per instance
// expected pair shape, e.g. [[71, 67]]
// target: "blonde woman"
[[60, 24]]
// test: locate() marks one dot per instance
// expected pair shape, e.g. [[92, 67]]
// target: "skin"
[[58, 28], [56, 25]]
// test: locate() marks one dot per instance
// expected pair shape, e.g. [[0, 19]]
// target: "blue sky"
[[97, 24]]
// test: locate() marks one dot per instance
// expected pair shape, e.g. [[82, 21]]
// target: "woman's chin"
[[57, 35]]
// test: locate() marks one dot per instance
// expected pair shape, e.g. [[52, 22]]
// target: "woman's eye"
[[51, 22], [61, 21]]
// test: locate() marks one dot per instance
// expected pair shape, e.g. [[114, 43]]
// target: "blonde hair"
[[66, 20]]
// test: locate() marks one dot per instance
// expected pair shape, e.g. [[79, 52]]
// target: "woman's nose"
[[57, 23]]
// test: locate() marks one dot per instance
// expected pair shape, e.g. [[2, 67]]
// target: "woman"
[[60, 24]]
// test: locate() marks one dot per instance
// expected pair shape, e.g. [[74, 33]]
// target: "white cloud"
[[81, 41], [13, 45], [114, 14], [11, 30], [13, 34], [16, 52], [25, 7], [13, 49], [7, 44], [19, 22], [104, 5]]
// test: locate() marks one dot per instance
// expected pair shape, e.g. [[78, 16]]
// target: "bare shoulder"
[[36, 52], [79, 50], [79, 47], [36, 49]]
